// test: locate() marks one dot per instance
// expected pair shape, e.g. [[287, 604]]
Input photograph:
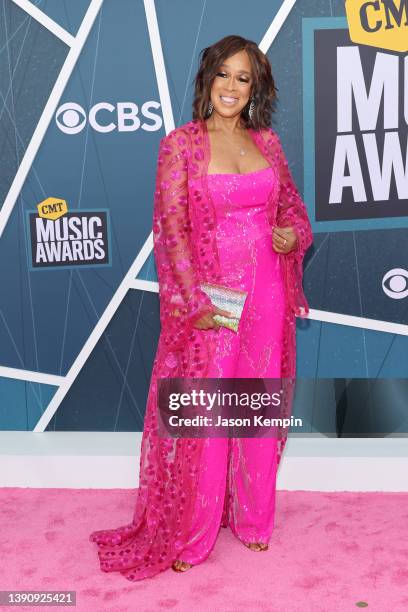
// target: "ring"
[[284, 242]]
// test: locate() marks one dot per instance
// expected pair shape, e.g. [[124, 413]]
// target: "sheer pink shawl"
[[185, 249]]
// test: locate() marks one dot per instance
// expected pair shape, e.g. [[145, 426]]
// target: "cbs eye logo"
[[104, 117], [395, 283], [73, 118]]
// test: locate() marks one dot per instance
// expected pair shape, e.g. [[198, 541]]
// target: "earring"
[[251, 108], [210, 109]]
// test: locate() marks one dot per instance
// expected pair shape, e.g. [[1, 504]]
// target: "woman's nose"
[[231, 84]]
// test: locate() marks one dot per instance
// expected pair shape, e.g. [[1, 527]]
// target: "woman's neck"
[[230, 125]]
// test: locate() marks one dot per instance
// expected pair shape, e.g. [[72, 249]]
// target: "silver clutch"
[[226, 298]]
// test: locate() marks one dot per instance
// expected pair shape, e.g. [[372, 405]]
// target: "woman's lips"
[[228, 100]]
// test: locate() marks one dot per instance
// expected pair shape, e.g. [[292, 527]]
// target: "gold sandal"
[[181, 566], [259, 545]]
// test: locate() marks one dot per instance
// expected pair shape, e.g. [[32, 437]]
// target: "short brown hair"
[[263, 89]]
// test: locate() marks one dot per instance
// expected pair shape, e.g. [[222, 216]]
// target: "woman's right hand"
[[207, 320]]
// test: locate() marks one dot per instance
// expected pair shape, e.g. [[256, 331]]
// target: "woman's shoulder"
[[182, 133], [271, 140], [269, 134]]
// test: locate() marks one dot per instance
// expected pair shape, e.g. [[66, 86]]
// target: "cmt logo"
[[380, 23], [52, 208], [103, 117], [395, 283]]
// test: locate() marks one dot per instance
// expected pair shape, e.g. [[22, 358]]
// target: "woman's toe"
[[257, 546], [181, 566], [253, 546]]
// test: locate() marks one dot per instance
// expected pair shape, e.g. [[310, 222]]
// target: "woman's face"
[[232, 84]]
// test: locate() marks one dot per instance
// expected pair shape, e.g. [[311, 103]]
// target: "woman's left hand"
[[284, 239]]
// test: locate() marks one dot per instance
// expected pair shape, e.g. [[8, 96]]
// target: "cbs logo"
[[104, 117], [395, 283]]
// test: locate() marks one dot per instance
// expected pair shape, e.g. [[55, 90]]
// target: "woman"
[[226, 211]]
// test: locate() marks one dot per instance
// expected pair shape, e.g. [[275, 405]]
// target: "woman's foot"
[[181, 566], [257, 546]]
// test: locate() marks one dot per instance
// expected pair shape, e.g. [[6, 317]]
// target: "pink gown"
[[213, 228], [248, 465]]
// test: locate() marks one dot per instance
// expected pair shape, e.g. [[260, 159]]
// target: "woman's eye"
[[242, 79]]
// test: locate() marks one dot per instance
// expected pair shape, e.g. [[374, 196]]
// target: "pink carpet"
[[329, 551]]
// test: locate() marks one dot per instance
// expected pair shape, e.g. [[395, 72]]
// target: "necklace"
[[241, 149]]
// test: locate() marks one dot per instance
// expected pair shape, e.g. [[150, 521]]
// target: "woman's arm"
[[292, 213], [176, 268], [291, 208]]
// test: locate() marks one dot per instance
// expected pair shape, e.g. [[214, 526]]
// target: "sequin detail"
[[237, 477]]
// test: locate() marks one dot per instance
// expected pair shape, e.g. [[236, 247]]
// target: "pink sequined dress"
[[242, 468], [214, 228]]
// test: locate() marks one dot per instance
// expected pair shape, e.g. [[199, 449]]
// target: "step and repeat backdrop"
[[87, 90]]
